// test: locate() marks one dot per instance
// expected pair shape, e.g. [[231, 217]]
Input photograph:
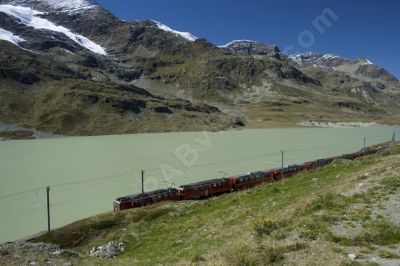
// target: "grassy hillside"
[[314, 218]]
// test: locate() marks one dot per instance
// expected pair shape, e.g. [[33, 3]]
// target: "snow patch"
[[296, 58], [70, 4], [28, 17], [68, 51], [236, 41], [329, 56], [187, 35], [367, 62], [8, 36]]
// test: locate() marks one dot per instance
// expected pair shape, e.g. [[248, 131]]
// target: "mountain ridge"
[[251, 83]]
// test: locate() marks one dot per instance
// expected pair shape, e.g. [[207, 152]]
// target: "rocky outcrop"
[[26, 253], [247, 47], [108, 251]]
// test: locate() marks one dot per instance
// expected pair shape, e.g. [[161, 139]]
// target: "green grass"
[[380, 233], [250, 255], [4, 252], [391, 182], [388, 255]]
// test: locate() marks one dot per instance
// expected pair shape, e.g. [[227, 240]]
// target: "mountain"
[[359, 77], [73, 68], [248, 47]]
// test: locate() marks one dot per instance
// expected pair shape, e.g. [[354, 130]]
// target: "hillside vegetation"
[[344, 214]]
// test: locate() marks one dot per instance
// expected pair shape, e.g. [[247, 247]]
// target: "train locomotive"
[[215, 187]]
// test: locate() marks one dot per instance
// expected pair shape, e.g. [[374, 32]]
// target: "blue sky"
[[368, 29]]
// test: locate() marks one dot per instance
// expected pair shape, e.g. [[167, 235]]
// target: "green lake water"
[[87, 173]]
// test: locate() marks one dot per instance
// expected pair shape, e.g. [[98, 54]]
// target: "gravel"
[[35, 133], [335, 125]]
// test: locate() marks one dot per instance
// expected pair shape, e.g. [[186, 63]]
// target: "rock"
[[247, 47], [163, 110], [237, 122], [57, 253], [65, 252], [108, 251], [352, 256], [70, 253]]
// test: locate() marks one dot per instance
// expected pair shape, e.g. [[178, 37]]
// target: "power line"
[[125, 175], [32, 211], [104, 178], [12, 196], [17, 198]]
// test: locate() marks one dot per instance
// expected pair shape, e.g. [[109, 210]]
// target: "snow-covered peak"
[[8, 36], [187, 35], [249, 47], [329, 56], [315, 58], [70, 4], [67, 6], [365, 61], [28, 17], [237, 42]]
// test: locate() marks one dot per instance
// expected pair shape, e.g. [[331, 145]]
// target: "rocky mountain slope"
[[72, 67]]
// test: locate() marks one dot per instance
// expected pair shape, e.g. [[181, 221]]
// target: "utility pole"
[[365, 145], [142, 188], [282, 164], [48, 208], [394, 136]]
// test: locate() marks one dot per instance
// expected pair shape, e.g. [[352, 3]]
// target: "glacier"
[[187, 35], [8, 36], [70, 4], [28, 17]]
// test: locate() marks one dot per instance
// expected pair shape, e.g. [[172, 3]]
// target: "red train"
[[215, 187]]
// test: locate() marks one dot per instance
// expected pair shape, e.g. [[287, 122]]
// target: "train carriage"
[[350, 156], [292, 169], [205, 189], [148, 198], [250, 180]]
